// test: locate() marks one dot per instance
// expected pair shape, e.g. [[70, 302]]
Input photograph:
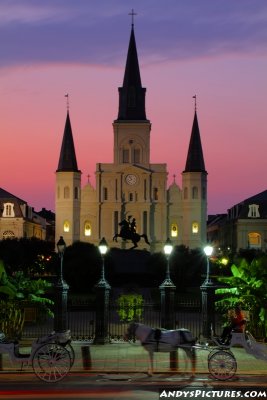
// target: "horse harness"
[[157, 334]]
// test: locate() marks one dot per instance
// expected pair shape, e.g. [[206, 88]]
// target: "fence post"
[[208, 308], [102, 313], [167, 315]]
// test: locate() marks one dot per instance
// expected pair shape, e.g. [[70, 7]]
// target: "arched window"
[[105, 193], [174, 230], [254, 240], [66, 226], [87, 229], [185, 193], [66, 192], [156, 194], [125, 155], [8, 235], [145, 222], [76, 193], [58, 192], [194, 227], [136, 156], [194, 192]]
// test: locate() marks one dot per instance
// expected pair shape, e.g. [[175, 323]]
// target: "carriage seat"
[[238, 338], [5, 340]]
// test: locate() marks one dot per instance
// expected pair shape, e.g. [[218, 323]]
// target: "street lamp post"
[[208, 250], [61, 293], [208, 297], [102, 300], [167, 292]]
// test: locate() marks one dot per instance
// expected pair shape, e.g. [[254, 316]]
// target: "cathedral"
[[132, 188]]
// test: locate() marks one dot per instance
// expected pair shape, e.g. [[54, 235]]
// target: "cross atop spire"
[[195, 97], [68, 103], [132, 13]]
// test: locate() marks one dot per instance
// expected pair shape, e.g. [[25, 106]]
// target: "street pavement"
[[119, 371], [125, 357]]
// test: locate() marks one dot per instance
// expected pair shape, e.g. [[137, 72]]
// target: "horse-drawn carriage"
[[222, 363], [51, 356]]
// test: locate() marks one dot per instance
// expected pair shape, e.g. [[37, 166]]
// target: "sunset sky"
[[216, 49]]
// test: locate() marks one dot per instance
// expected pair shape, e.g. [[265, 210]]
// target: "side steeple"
[[132, 94], [68, 190], [194, 186], [67, 159], [195, 159]]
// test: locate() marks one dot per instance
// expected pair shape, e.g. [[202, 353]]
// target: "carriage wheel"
[[51, 362], [222, 365], [71, 353], [212, 352]]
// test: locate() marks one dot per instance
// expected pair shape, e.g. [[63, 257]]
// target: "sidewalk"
[[132, 358]]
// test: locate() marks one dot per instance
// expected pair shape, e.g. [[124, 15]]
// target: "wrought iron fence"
[[81, 321]]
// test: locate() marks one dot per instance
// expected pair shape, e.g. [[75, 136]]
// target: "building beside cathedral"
[[244, 226], [19, 220], [132, 186]]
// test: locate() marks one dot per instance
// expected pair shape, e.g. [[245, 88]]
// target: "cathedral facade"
[[132, 188]]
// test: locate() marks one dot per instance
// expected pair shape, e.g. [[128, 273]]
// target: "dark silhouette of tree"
[[81, 266], [30, 255]]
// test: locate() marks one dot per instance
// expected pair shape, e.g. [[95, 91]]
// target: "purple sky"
[[214, 49]]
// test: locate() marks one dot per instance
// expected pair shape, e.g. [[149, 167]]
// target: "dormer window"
[[253, 211], [8, 210]]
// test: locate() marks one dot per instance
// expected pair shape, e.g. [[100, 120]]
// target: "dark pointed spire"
[[195, 159], [131, 94], [67, 159]]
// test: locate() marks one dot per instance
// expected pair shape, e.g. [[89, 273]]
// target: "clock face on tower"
[[131, 179]]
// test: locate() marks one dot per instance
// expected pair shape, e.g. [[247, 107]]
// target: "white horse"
[[156, 340]]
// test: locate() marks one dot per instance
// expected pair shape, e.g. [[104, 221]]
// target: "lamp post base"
[[61, 306]]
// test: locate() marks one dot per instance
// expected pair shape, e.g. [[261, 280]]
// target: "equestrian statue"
[[128, 232]]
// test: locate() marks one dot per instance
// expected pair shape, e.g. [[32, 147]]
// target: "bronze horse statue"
[[128, 232]]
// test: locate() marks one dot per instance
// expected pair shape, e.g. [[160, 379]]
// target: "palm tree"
[[248, 287]]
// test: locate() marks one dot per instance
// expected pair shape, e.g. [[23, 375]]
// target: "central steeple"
[[132, 94]]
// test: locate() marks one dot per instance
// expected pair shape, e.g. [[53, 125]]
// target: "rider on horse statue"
[[128, 231], [128, 228]]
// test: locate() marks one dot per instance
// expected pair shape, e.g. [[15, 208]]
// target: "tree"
[[31, 255], [15, 292], [81, 266], [248, 287]]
